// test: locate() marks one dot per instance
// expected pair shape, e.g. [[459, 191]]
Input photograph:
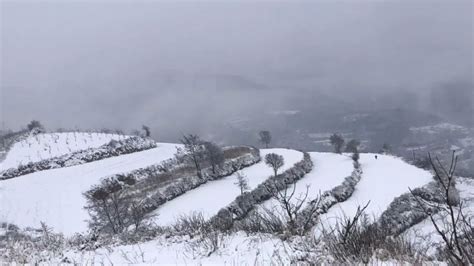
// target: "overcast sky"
[[109, 64]]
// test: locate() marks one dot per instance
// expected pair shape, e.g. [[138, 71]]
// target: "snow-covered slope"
[[55, 196], [383, 179], [209, 198], [237, 249], [48, 145], [425, 229], [329, 171]]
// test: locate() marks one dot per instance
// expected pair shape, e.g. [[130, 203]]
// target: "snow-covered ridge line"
[[14, 137], [36, 146], [404, 211], [112, 149], [228, 168], [191, 182], [244, 203], [342, 192], [336, 195], [384, 178], [142, 185]]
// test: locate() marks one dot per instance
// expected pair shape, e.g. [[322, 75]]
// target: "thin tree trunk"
[[117, 212], [108, 216]]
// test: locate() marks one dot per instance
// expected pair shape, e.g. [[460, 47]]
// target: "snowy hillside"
[[425, 230], [55, 196], [329, 171], [383, 179], [238, 249], [211, 197], [48, 145]]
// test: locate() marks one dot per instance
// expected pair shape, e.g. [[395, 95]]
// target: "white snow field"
[[235, 249], [209, 198], [383, 179], [48, 145], [55, 196], [329, 171]]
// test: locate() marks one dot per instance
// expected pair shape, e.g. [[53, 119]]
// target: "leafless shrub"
[[137, 256], [207, 235], [112, 210], [191, 225], [357, 240], [32, 247], [449, 218], [211, 242], [291, 206], [264, 221], [294, 214]]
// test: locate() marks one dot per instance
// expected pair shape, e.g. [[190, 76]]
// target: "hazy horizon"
[[170, 64]]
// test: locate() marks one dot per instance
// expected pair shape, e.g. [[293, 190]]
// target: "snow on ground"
[[55, 196], [236, 249], [383, 179], [209, 198], [329, 171], [48, 145], [425, 232]]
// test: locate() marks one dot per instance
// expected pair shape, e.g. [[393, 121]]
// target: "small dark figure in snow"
[[376, 157]]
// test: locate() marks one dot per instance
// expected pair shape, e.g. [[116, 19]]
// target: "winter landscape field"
[[197, 132], [246, 216]]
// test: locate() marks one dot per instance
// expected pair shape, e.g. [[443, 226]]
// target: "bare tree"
[[275, 161], [147, 131], [265, 137], [100, 210], [347, 224], [352, 146], [138, 214], [112, 209], [449, 219], [193, 152], [386, 148], [337, 141], [35, 125], [356, 157], [242, 182], [214, 155]]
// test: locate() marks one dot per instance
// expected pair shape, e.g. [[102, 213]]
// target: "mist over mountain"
[[183, 67]]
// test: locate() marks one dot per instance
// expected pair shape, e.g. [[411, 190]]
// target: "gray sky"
[[111, 64]]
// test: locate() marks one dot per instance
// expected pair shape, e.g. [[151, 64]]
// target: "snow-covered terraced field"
[[329, 171], [209, 198], [383, 179], [55, 196], [425, 229], [48, 145]]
